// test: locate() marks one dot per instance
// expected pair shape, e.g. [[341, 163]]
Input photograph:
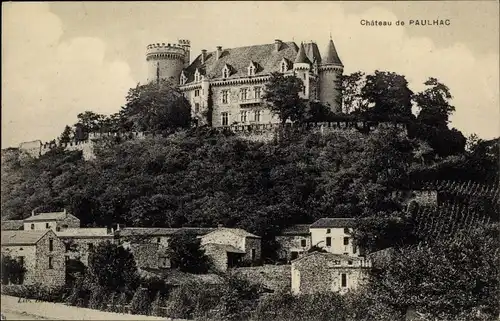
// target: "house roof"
[[265, 57], [162, 231], [12, 225], [225, 247], [22, 237], [54, 216], [297, 229], [328, 222], [329, 255], [84, 232], [332, 56], [237, 231]]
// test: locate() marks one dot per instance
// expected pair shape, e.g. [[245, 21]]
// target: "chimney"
[[117, 227], [220, 226], [64, 211], [203, 56], [277, 45], [218, 53], [33, 213]]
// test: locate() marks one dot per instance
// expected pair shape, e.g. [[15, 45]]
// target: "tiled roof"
[[333, 223], [225, 247], [12, 225], [162, 231], [22, 237], [237, 231], [265, 57], [54, 216], [298, 229], [301, 56], [332, 56], [84, 232], [312, 52], [330, 256]]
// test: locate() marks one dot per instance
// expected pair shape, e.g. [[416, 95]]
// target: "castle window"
[[243, 116], [183, 79], [225, 71], [51, 245], [303, 243], [344, 280], [283, 66], [257, 91], [197, 75], [50, 263], [196, 107], [251, 69], [197, 93], [257, 116], [225, 94], [224, 119], [243, 93]]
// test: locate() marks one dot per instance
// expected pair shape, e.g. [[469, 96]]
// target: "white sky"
[[60, 59]]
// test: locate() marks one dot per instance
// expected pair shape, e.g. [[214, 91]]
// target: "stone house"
[[334, 236], [41, 253], [325, 272], [80, 241], [230, 247], [294, 241], [151, 243], [56, 221]]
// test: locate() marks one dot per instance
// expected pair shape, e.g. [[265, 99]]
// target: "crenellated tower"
[[330, 74], [166, 61]]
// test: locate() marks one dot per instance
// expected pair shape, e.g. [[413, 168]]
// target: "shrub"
[[140, 302], [156, 304], [97, 297]]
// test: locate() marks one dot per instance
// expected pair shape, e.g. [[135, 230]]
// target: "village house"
[[230, 247], [325, 272], [294, 241], [79, 242], [149, 244], [40, 252], [56, 221], [334, 236]]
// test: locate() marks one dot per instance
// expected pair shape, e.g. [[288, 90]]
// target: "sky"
[[63, 58]]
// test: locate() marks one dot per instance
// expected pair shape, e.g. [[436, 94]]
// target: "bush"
[[121, 302], [140, 302], [97, 298], [37, 292]]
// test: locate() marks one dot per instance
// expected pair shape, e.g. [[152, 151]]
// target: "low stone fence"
[[273, 277], [59, 311]]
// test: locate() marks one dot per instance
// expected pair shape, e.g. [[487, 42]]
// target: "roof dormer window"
[[251, 69], [226, 72], [284, 65], [197, 75], [183, 79]]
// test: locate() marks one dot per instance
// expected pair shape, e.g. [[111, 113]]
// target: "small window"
[[51, 245], [196, 107], [346, 230], [225, 94], [354, 248], [328, 241], [244, 116], [349, 262], [67, 246], [197, 93], [328, 231], [21, 260], [158, 240], [304, 76], [58, 229], [344, 280], [253, 254], [91, 246], [243, 93], [251, 70], [346, 241], [47, 225], [50, 263], [257, 91], [303, 243], [197, 75], [32, 226], [225, 119], [257, 116]]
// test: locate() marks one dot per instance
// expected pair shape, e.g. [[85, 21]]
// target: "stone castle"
[[236, 77]]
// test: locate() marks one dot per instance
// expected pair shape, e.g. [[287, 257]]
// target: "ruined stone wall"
[[274, 277]]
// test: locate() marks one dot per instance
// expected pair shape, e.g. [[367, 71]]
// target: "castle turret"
[[186, 45], [166, 61], [301, 67], [330, 74]]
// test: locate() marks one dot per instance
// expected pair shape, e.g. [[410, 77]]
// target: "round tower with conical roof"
[[166, 61], [302, 67], [330, 74]]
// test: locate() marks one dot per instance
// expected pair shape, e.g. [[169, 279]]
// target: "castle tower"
[[330, 73], [166, 61], [186, 45], [301, 67]]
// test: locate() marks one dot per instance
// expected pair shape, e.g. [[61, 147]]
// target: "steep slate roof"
[[332, 56], [162, 231], [312, 52], [54, 216], [297, 229], [12, 225], [236, 231], [22, 237], [264, 56], [225, 247], [301, 56], [333, 223]]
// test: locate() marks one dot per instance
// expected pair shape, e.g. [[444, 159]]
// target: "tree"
[[12, 270], [141, 302], [351, 86], [282, 95], [185, 253], [388, 94], [435, 108], [88, 122], [156, 107], [66, 136], [317, 112], [113, 267]]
